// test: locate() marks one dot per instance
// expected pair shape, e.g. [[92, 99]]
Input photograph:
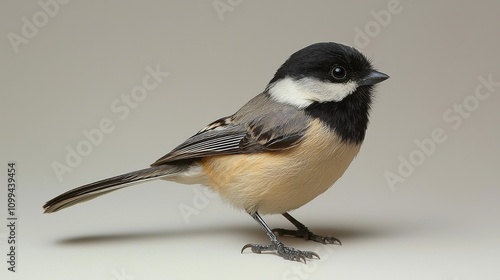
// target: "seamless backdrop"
[[92, 89]]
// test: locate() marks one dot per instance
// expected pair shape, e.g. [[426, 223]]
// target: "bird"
[[279, 151]]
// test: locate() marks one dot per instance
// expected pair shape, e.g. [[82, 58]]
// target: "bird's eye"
[[338, 72]]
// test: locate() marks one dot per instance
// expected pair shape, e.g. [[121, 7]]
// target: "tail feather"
[[93, 190]]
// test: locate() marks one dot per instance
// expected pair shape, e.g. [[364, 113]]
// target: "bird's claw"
[[328, 240], [288, 253]]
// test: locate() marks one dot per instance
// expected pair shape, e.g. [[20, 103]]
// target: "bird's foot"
[[307, 235], [288, 253]]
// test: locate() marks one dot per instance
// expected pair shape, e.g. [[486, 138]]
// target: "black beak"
[[373, 77]]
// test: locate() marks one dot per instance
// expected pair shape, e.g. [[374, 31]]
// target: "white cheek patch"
[[305, 91]]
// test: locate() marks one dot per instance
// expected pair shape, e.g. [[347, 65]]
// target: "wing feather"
[[277, 127]]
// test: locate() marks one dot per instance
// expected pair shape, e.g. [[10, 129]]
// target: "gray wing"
[[261, 125]]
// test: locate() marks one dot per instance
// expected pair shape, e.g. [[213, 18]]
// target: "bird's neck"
[[348, 118]]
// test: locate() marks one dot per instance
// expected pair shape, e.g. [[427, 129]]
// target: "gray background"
[[441, 222]]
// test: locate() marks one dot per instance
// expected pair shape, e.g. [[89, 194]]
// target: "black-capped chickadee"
[[283, 148]]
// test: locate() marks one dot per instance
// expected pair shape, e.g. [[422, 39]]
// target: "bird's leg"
[[303, 232], [288, 253]]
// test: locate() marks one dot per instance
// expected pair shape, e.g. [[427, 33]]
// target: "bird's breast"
[[277, 182]]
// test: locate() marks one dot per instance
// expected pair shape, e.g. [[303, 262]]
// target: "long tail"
[[93, 190]]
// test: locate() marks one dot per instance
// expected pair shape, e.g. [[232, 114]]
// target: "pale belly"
[[277, 182]]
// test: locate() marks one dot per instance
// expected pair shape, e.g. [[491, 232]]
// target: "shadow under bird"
[[279, 151]]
